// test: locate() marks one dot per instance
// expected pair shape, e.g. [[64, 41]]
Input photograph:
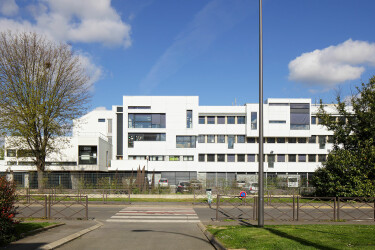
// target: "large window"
[[240, 139], [189, 118], [202, 119], [231, 158], [292, 158], [146, 121], [254, 120], [185, 141], [221, 139], [202, 157], [241, 158], [231, 120], [299, 116], [210, 139], [188, 158], [11, 152], [301, 158], [210, 119], [221, 157], [221, 120], [174, 158], [312, 158], [87, 155], [201, 138], [144, 137], [240, 119], [230, 141], [251, 158], [281, 158], [211, 157], [312, 139]]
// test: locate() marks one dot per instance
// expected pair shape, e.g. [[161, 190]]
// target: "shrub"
[[8, 210]]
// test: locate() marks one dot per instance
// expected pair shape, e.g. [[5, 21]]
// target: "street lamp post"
[[260, 176]]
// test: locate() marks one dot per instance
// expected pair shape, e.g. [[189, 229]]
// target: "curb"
[[217, 244], [38, 230], [71, 237]]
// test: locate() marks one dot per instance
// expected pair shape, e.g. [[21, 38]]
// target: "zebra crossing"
[[155, 215]]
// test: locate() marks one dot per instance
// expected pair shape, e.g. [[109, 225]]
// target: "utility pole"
[[260, 172]]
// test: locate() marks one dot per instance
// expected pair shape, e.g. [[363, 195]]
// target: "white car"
[[163, 182], [251, 188]]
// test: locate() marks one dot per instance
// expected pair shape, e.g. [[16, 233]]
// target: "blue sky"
[[209, 48]]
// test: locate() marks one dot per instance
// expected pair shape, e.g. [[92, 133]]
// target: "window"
[[144, 137], [221, 120], [240, 139], [201, 157], [201, 138], [24, 153], [322, 141], [280, 158], [230, 141], [189, 118], [278, 104], [301, 158], [174, 158], [240, 119], [146, 120], [280, 140], [101, 120], [292, 140], [210, 119], [109, 125], [202, 120], [271, 140], [210, 157], [276, 121], [241, 158], [322, 158], [292, 158], [231, 158], [137, 157], [210, 139], [156, 158], [220, 157], [330, 139], [299, 116], [188, 158], [301, 140], [271, 160], [185, 141], [313, 120], [87, 155], [139, 107], [312, 158], [11, 152], [251, 158], [119, 109], [254, 120], [230, 120], [251, 140], [221, 139], [312, 139]]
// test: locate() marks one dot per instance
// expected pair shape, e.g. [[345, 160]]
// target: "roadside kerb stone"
[[215, 242], [71, 237]]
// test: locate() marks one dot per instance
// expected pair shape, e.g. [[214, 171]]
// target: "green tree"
[[43, 86], [350, 166]]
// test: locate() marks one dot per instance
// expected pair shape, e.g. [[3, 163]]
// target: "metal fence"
[[296, 208], [52, 206]]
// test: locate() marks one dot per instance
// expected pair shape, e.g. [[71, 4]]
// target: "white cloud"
[[94, 72], [8, 7], [333, 65], [86, 21]]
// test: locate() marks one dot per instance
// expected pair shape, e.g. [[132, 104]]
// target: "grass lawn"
[[296, 236], [25, 227]]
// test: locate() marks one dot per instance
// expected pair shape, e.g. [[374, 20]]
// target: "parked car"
[[183, 187], [240, 184], [251, 188], [195, 184], [163, 182]]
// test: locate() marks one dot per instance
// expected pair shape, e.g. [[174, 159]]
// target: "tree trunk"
[[40, 180]]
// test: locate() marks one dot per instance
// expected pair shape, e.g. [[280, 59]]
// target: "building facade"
[[176, 138]]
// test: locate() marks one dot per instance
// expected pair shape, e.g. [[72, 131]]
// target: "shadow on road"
[[156, 231]]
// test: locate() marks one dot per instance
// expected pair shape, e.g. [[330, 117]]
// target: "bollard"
[[297, 208], [217, 206], [334, 209], [338, 208], [87, 208]]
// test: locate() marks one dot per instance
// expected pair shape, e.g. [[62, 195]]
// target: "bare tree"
[[43, 87]]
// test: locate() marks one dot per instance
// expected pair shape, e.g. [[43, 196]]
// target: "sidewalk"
[[57, 236]]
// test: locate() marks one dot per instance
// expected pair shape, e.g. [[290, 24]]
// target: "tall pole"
[[260, 176]]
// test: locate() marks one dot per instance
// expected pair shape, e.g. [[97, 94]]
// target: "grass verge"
[[24, 228], [296, 236]]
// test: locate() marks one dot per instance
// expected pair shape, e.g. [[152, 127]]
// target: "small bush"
[[8, 210]]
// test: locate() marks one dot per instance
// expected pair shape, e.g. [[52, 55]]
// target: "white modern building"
[[177, 139]]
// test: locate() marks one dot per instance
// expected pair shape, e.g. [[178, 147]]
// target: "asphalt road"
[[143, 227]]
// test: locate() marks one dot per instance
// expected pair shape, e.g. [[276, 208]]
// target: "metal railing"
[[52, 206]]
